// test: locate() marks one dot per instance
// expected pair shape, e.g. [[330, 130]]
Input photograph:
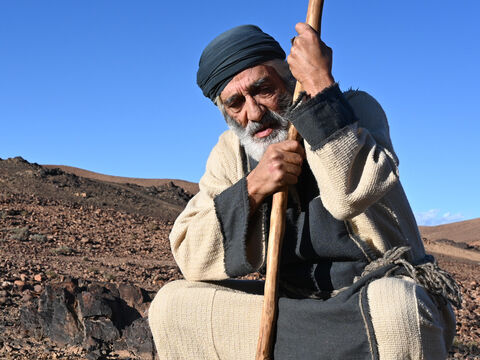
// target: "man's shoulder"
[[359, 96], [365, 105], [225, 160], [228, 145], [228, 138]]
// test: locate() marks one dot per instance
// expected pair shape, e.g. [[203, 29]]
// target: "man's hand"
[[280, 166], [310, 60]]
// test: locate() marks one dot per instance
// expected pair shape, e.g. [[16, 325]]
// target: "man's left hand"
[[310, 60]]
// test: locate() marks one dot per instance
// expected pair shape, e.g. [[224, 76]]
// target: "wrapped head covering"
[[232, 52]]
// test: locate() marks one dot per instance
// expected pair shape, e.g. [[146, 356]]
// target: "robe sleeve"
[[348, 148], [212, 238]]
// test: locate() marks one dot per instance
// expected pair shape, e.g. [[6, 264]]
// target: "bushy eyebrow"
[[253, 88], [232, 99], [259, 83]]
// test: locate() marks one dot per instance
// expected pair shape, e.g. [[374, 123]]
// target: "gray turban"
[[232, 52]]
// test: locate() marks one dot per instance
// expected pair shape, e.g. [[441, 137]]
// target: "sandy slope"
[[453, 251], [463, 231], [461, 234]]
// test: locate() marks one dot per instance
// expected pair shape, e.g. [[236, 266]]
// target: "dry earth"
[[55, 225], [462, 232], [187, 185]]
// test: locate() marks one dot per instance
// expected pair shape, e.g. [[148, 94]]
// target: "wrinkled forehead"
[[242, 83]]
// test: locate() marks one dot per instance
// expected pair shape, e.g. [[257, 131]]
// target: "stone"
[[56, 316], [95, 316], [139, 339], [38, 277], [27, 296], [19, 283], [101, 329], [90, 344], [29, 320], [90, 304], [94, 355], [85, 240], [112, 290], [131, 294], [70, 285], [123, 354]]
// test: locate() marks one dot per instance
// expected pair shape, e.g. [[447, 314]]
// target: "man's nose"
[[255, 110]]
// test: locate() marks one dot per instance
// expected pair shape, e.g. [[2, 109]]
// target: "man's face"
[[254, 101]]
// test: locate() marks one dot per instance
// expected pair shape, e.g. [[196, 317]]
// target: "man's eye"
[[235, 105], [264, 90]]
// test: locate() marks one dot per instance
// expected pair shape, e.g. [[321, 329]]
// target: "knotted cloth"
[[427, 274], [232, 52]]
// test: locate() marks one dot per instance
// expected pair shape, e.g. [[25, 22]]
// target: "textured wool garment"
[[232, 52]]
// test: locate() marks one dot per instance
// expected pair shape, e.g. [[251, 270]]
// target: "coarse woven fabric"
[[232, 52], [355, 171], [408, 322], [200, 320]]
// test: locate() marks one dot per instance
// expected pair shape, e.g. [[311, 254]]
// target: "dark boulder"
[[97, 316], [57, 316]]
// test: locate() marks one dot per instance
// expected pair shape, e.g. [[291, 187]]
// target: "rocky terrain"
[[190, 187], [82, 258]]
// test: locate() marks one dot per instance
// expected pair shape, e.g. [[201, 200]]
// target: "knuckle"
[[295, 143], [303, 26], [310, 34], [275, 166], [270, 152], [277, 176], [276, 156]]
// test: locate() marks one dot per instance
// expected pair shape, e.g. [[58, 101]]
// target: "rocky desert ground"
[[82, 254]]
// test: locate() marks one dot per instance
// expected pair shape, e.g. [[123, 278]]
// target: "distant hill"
[[463, 231], [190, 187], [161, 199], [460, 239]]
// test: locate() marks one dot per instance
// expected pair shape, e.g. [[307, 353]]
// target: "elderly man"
[[355, 282]]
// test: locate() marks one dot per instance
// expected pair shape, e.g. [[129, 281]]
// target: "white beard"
[[256, 147]]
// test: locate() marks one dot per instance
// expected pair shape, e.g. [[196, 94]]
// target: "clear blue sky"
[[109, 86]]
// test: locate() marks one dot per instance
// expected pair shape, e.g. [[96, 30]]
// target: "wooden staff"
[[277, 228]]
